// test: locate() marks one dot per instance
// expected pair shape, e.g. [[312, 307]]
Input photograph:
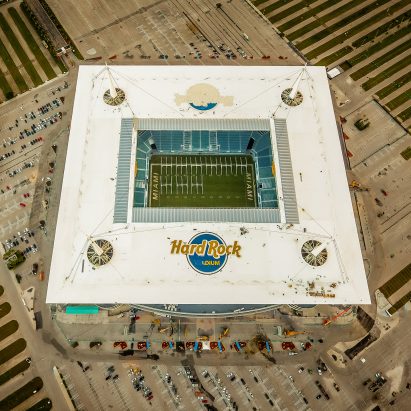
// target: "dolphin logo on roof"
[[203, 96]]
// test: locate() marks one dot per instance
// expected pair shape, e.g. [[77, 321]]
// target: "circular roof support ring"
[[116, 100], [314, 253], [291, 101], [99, 252]]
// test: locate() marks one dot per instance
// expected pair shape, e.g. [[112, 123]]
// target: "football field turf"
[[204, 181]]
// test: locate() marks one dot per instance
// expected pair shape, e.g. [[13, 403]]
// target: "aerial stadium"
[[214, 189]]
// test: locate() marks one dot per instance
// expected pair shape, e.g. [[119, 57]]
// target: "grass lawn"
[[258, 2], [287, 12], [334, 57], [354, 30], [21, 54], [396, 282], [43, 405], [31, 42], [321, 20], [207, 181], [12, 350], [400, 303], [399, 100], [12, 372], [375, 48], [35, 24], [387, 73], [387, 90], [274, 6], [406, 154], [339, 39], [385, 58], [306, 15], [4, 309], [8, 329], [12, 68], [20, 395], [381, 29], [406, 114]]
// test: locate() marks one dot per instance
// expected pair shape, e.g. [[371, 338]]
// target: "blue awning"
[[81, 309]]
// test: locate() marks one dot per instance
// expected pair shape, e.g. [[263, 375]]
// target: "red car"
[[22, 205], [287, 345], [26, 195], [122, 344]]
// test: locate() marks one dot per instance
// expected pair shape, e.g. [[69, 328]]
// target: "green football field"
[[213, 181]]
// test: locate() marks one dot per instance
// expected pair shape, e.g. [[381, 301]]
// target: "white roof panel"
[[269, 268]]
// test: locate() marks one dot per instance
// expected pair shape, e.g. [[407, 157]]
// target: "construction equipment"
[[203, 338], [356, 186], [328, 321], [163, 330], [225, 332], [291, 333]]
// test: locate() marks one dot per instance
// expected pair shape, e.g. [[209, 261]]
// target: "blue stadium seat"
[[139, 195], [196, 140], [265, 152], [141, 163], [265, 172], [141, 175], [264, 161]]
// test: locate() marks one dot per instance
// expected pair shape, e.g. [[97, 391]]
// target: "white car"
[[293, 353]]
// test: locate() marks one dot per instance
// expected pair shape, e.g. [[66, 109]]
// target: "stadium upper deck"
[[304, 249]]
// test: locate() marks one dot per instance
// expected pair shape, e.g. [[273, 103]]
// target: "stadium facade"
[[207, 187]]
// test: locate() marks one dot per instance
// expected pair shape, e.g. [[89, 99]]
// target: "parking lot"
[[25, 129], [29, 126], [173, 31], [132, 384]]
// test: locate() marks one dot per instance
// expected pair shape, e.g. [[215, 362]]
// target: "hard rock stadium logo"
[[207, 253]]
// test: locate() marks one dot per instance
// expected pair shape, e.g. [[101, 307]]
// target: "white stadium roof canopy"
[[310, 255]]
